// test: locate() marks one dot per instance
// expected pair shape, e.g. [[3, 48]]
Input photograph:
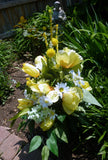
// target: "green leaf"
[[61, 134], [102, 136], [45, 153], [52, 144], [21, 113], [61, 118], [35, 143], [88, 97]]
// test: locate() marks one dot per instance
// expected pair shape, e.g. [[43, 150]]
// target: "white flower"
[[38, 62], [33, 114], [53, 96], [77, 79], [61, 88], [45, 101]]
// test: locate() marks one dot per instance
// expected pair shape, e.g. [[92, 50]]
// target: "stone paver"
[[10, 145], [4, 133]]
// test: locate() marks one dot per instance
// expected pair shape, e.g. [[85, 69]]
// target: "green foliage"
[[89, 98], [35, 143], [5, 86], [6, 58], [52, 144], [29, 37], [88, 38], [45, 153]]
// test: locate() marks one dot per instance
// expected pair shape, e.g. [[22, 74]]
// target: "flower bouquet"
[[55, 90]]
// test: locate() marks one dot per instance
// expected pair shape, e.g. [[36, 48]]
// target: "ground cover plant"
[[7, 57], [46, 100]]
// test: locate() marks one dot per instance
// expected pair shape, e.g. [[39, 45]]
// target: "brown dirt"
[[8, 110]]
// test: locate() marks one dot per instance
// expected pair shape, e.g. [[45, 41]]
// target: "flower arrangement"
[[54, 90]]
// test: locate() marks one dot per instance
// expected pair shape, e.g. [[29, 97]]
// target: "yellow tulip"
[[68, 58], [24, 103], [71, 99], [39, 87], [30, 70]]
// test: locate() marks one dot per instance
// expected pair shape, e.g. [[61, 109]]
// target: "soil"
[[8, 110]]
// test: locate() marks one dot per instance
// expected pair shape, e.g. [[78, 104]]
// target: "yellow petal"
[[43, 86], [71, 99], [24, 103], [30, 70], [46, 124], [68, 58], [33, 86]]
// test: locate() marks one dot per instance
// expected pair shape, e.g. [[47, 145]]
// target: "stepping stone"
[[4, 133], [10, 144]]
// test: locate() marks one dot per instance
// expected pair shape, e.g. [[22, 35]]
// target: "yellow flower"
[[50, 52], [24, 103], [44, 28], [68, 58], [85, 85], [50, 11], [22, 19], [54, 42], [30, 70], [43, 87], [47, 124], [33, 86], [71, 99]]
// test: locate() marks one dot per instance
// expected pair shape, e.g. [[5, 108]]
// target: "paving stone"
[[4, 133], [10, 147]]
